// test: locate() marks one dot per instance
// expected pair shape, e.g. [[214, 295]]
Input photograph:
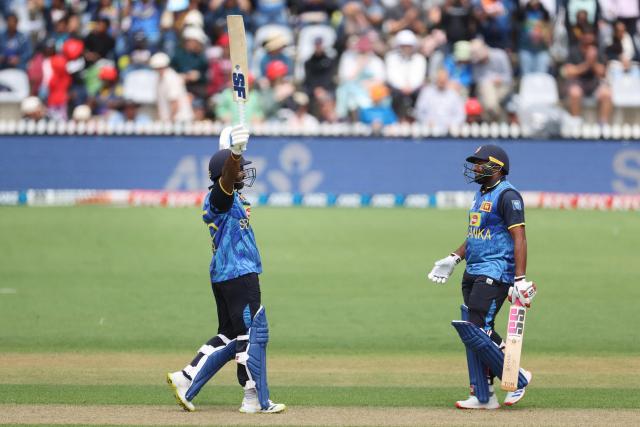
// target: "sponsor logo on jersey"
[[486, 206], [474, 219], [479, 233], [517, 205]]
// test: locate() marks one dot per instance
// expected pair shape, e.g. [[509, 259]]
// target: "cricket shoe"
[[514, 397], [473, 403], [251, 405], [180, 384]]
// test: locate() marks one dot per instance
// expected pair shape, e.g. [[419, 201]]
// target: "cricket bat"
[[239, 63], [513, 349]]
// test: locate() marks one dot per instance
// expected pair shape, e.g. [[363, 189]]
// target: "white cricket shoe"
[[180, 384], [251, 405], [473, 403], [514, 397]]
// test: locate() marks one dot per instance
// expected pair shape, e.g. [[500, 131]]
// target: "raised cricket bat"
[[239, 63], [513, 349]]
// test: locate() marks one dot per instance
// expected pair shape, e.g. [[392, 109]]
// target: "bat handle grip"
[[241, 112]]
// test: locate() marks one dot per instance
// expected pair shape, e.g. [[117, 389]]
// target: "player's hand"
[[239, 139], [523, 291], [443, 268]]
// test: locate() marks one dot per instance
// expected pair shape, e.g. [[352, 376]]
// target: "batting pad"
[[216, 360], [477, 370], [489, 353], [255, 357]]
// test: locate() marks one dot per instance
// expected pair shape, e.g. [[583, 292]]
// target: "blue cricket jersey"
[[235, 252], [489, 246]]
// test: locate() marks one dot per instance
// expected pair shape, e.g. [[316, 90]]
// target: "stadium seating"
[[14, 87]]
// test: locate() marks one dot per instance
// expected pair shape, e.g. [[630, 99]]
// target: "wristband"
[[518, 278], [457, 257]]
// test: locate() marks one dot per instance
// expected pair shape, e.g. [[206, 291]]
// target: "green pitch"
[[127, 290]]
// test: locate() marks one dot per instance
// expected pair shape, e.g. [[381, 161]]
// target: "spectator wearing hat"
[[406, 71], [380, 113], [276, 89], [82, 113], [534, 38], [298, 117], [173, 101], [274, 47], [359, 68], [15, 48], [319, 69], [190, 61], [473, 110], [493, 76], [99, 43], [458, 66], [109, 97], [32, 108], [72, 50], [439, 105]]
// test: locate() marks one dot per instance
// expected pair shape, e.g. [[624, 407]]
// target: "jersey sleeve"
[[512, 208]]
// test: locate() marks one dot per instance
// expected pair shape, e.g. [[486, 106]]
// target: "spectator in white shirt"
[[174, 103], [406, 71], [440, 105]]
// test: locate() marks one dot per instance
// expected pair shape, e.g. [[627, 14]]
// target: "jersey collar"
[[485, 190]]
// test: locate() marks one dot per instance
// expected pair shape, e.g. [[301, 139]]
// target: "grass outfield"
[[96, 303]]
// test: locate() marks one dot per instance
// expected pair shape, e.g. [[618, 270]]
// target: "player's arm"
[[443, 268], [512, 211], [221, 195]]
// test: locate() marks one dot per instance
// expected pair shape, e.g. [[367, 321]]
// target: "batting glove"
[[443, 268], [523, 291], [239, 139]]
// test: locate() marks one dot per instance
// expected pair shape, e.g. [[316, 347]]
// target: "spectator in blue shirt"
[[145, 17], [380, 113], [458, 66], [15, 48]]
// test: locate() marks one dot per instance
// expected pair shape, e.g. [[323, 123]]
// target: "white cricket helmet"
[[225, 138]]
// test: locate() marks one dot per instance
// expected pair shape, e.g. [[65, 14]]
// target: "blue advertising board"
[[305, 165]]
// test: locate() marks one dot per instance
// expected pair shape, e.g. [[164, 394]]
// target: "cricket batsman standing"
[[495, 251], [243, 331]]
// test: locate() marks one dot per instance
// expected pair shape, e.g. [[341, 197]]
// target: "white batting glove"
[[523, 291], [443, 268], [239, 139]]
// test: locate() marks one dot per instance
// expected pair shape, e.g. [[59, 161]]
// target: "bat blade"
[[238, 53], [513, 349]]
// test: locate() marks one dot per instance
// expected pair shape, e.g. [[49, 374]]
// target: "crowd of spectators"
[[436, 62]]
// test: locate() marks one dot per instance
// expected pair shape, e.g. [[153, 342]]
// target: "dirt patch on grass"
[[388, 370], [308, 416]]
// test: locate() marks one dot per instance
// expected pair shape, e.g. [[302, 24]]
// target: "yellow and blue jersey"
[[489, 245], [235, 252]]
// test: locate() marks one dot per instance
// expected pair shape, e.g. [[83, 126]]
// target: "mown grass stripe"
[[444, 397]]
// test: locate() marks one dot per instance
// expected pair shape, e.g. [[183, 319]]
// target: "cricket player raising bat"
[[495, 251], [243, 331]]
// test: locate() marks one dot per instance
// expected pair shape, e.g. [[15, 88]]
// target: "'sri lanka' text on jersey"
[[235, 252], [489, 245]]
